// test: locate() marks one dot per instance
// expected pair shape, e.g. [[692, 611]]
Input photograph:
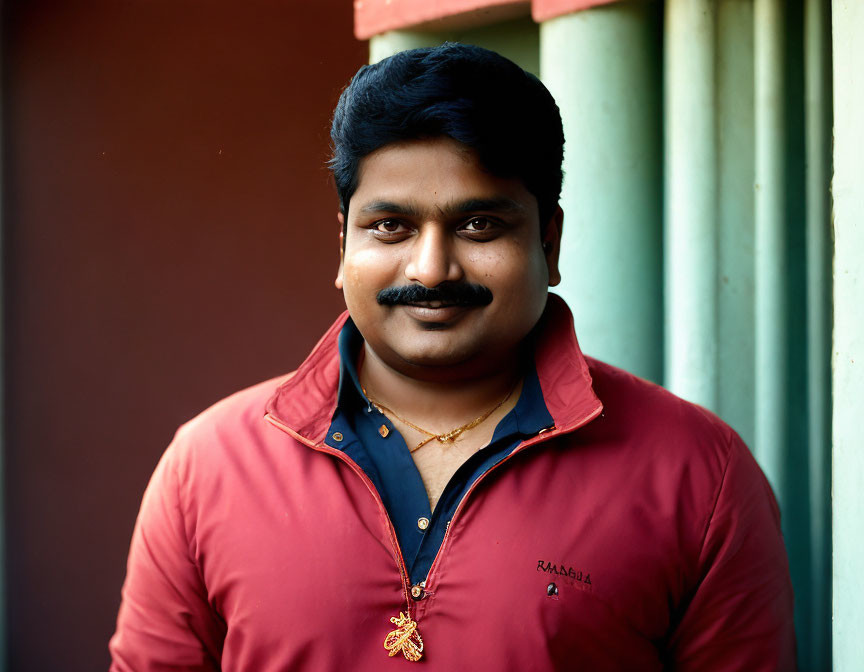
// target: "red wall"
[[170, 237]]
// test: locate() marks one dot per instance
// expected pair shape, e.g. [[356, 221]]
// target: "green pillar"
[[735, 204], [517, 39], [771, 271], [691, 202], [817, 62], [601, 66], [848, 349]]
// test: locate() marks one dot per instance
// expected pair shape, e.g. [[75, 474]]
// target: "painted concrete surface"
[[818, 115], [848, 347], [735, 206], [691, 201], [610, 102], [518, 40]]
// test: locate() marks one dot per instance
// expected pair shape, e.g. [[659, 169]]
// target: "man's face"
[[425, 214]]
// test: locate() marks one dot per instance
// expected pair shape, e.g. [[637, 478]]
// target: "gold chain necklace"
[[446, 437]]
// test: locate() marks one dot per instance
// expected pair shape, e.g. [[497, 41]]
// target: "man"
[[446, 479]]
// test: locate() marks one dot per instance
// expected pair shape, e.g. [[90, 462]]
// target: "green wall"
[[602, 67], [697, 246], [848, 350], [517, 39]]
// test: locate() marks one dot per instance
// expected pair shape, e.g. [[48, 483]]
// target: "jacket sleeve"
[[740, 616], [165, 621]]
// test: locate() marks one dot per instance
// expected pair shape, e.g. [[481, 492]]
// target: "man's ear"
[[552, 245], [341, 219]]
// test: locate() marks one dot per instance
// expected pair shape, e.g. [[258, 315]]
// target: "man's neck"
[[438, 405]]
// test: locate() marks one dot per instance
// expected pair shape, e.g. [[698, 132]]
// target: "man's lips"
[[430, 304], [435, 311]]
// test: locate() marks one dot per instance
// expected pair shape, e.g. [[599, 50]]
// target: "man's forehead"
[[415, 152], [414, 176]]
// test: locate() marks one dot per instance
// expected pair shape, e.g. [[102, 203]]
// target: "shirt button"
[[417, 592], [337, 436]]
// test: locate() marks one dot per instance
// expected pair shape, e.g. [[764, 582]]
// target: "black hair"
[[470, 94]]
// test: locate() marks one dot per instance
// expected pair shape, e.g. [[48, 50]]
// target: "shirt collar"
[[528, 416], [305, 403]]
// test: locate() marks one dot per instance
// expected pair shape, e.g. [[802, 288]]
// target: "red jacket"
[[638, 534]]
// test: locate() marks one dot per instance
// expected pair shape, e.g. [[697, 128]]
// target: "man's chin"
[[442, 356], [420, 354]]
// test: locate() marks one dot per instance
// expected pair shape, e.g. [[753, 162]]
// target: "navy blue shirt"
[[385, 457]]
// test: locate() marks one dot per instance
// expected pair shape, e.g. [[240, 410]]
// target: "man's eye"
[[478, 225], [388, 226]]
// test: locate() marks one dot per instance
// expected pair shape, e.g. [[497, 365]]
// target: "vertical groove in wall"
[[3, 613], [691, 201], [771, 271], [735, 154], [817, 62], [602, 67]]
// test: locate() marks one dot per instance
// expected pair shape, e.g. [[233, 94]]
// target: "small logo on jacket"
[[574, 575]]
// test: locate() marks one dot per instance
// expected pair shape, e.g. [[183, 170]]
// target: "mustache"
[[448, 293]]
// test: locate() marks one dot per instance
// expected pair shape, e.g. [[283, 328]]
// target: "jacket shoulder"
[[656, 414], [676, 444], [688, 465]]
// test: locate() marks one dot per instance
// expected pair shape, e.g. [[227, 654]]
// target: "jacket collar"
[[305, 402]]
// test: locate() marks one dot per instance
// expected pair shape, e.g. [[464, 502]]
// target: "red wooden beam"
[[373, 17]]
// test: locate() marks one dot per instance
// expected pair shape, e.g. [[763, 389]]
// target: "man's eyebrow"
[[389, 206], [495, 204]]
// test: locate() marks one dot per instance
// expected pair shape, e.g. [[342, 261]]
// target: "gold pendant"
[[404, 638]]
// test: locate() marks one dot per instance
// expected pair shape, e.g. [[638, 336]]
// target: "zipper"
[[323, 448], [400, 561], [540, 438]]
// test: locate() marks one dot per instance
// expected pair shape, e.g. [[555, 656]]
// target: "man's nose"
[[433, 259]]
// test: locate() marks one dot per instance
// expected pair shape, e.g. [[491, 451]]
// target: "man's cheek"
[[370, 262], [358, 275]]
